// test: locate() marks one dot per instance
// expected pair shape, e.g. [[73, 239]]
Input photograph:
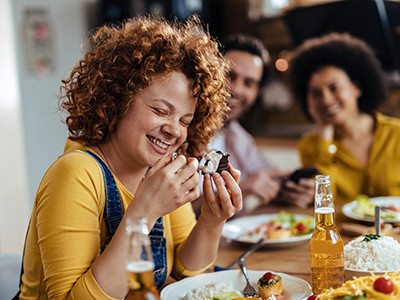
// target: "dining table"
[[293, 260]]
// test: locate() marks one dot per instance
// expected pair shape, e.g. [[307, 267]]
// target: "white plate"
[[233, 230], [347, 209], [293, 287]]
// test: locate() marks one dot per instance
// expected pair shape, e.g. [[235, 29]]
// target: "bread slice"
[[270, 284]]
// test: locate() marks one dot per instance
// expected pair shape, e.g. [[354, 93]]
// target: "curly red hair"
[[123, 60]]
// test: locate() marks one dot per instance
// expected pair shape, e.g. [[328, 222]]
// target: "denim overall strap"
[[159, 249], [113, 211]]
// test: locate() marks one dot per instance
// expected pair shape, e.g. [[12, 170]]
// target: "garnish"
[[268, 279], [370, 237], [363, 296]]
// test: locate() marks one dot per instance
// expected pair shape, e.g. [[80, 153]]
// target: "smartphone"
[[308, 172]]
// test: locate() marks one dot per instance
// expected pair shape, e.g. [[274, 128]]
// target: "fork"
[[249, 290]]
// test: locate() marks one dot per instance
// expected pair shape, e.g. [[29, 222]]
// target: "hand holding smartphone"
[[307, 172]]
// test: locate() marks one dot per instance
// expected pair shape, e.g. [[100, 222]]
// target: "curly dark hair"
[[122, 60], [346, 52], [247, 43]]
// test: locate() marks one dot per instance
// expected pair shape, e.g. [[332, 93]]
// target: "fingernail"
[[216, 175], [224, 173]]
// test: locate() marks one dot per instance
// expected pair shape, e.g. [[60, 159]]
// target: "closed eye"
[[186, 123], [160, 111]]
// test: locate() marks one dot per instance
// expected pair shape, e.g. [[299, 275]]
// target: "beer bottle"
[[140, 264], [326, 244]]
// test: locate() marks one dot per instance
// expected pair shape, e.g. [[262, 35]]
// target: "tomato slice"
[[383, 285], [312, 297]]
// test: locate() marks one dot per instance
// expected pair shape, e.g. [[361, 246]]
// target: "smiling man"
[[249, 69]]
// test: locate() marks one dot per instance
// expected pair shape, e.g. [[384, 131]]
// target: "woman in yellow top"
[[340, 85], [143, 91]]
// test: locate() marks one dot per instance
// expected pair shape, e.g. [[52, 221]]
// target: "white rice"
[[207, 291], [379, 255]]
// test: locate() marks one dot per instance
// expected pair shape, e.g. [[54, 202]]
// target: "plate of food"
[[231, 282], [371, 253], [366, 287], [279, 230], [363, 208]]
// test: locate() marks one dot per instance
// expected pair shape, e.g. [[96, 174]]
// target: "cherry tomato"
[[267, 276], [312, 297], [383, 285], [301, 227]]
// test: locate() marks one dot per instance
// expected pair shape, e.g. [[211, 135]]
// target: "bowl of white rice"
[[371, 253]]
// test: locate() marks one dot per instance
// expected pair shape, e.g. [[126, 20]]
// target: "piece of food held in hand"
[[215, 161]]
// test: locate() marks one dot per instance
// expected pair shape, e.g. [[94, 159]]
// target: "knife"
[[377, 220], [242, 256]]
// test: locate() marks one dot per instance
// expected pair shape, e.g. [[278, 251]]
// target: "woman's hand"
[[168, 185], [324, 129], [222, 204]]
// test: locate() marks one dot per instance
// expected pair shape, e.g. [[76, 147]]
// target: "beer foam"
[[324, 210], [139, 266]]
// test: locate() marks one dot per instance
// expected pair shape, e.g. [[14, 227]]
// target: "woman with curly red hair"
[[143, 91]]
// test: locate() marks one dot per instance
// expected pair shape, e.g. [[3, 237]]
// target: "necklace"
[[104, 157]]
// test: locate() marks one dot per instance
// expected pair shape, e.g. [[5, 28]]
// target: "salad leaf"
[[289, 221], [365, 208], [286, 218]]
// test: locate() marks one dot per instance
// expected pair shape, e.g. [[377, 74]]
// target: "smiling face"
[[157, 121], [246, 71], [332, 97]]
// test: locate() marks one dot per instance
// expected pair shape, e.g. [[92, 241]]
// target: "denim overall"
[[113, 213]]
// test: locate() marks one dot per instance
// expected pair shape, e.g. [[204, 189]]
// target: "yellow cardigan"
[[379, 177], [67, 230]]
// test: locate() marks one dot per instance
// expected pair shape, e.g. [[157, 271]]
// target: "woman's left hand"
[[222, 204]]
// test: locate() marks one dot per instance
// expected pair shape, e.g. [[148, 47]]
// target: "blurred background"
[[43, 39]]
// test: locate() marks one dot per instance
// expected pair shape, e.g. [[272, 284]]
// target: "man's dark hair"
[[250, 44]]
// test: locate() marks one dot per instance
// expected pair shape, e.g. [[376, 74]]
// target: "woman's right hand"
[[168, 185], [226, 201], [324, 129]]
